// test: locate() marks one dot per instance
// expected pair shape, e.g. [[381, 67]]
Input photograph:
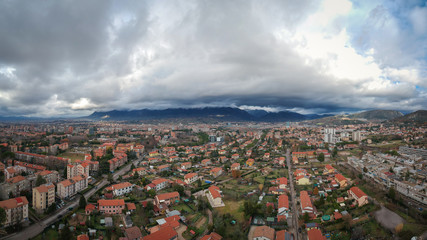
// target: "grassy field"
[[73, 156], [233, 208]]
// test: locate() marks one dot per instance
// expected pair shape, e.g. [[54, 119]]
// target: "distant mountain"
[[358, 118], [283, 116], [419, 116], [223, 113], [377, 115], [216, 113], [257, 113]]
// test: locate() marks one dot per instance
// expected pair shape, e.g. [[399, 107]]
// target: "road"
[[37, 228], [293, 196]]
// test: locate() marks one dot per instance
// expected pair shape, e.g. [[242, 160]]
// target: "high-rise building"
[[43, 197], [16, 210]]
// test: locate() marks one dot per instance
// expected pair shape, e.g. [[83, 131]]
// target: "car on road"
[[59, 216]]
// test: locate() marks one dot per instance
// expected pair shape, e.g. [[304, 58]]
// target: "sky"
[[71, 58]]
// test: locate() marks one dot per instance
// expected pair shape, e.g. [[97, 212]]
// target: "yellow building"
[[302, 180], [43, 197]]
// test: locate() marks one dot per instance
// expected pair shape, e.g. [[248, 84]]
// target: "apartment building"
[[121, 188], [190, 178], [16, 210], [71, 187], [306, 205], [43, 197], [114, 206]]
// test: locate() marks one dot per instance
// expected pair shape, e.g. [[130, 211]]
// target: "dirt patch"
[[388, 219], [77, 219], [200, 222], [251, 232], [181, 230]]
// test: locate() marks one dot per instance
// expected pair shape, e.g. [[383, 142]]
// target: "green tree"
[[40, 180], [82, 202], [110, 178], [321, 157], [66, 234], [392, 193], [2, 215], [64, 173], [151, 193]]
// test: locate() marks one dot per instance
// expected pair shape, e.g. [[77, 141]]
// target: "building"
[[235, 166], [214, 196], [70, 187], [358, 195], [141, 171], [14, 185], [282, 182], [190, 178], [78, 169], [16, 210], [133, 233], [306, 205], [167, 233], [166, 198], [283, 207], [216, 172], [341, 180], [43, 197], [49, 176], [264, 233], [212, 236], [121, 188], [114, 206], [284, 235], [157, 184], [315, 234]]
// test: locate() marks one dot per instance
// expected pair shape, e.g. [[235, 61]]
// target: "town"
[[211, 181]]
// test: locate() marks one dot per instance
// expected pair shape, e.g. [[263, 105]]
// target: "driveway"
[[180, 231]]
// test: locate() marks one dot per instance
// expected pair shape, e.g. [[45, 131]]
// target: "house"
[[157, 184], [133, 233], [212, 236], [206, 162], [83, 237], [263, 233], [214, 196], [166, 198], [283, 207], [16, 210], [306, 205], [167, 233], [329, 168], [113, 206], [216, 172], [302, 180], [89, 208], [186, 165], [131, 207], [190, 178], [315, 234], [358, 195], [162, 168], [127, 220], [141, 171], [235, 166], [43, 197], [250, 162], [121, 188], [282, 182], [341, 180]]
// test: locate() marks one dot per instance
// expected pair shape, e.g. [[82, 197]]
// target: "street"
[[293, 196], [37, 228]]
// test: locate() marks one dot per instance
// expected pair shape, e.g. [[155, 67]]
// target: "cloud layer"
[[67, 58]]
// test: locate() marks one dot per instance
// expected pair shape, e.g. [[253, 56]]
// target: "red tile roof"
[[359, 193], [305, 200], [112, 202], [163, 233]]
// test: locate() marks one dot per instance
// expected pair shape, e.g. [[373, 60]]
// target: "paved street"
[[293, 196], [36, 228]]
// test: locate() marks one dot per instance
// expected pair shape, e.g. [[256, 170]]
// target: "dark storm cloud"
[[74, 57]]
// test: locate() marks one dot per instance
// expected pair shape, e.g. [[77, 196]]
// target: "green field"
[[72, 156], [233, 208]]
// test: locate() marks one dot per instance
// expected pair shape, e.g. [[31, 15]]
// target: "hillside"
[[377, 115], [215, 113], [419, 116]]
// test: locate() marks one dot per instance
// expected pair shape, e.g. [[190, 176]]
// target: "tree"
[[110, 178], [151, 193], [392, 193], [306, 217], [66, 234], [365, 169], [40, 180], [82, 202], [321, 157], [3, 216], [51, 208], [236, 173], [315, 191]]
